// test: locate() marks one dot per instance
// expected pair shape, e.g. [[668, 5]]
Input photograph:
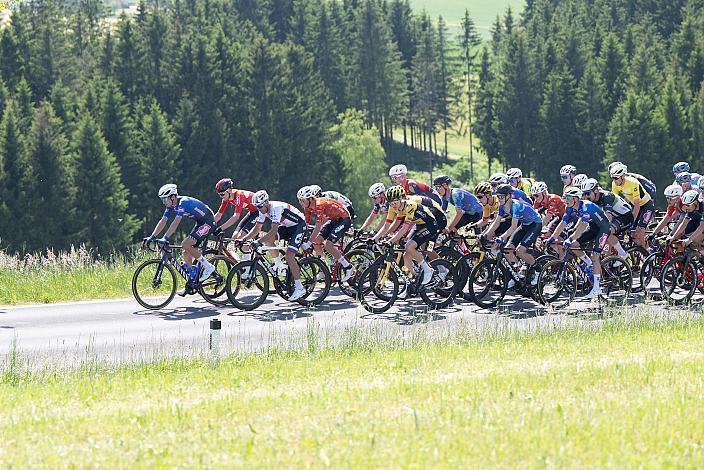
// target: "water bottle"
[[194, 271]]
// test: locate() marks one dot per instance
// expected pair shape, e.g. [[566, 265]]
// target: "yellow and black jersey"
[[413, 211], [490, 208]]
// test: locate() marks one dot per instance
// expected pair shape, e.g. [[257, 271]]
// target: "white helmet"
[[317, 190], [573, 192], [376, 189], [613, 164], [577, 180], [589, 184], [168, 190], [260, 198], [618, 170], [398, 170], [305, 192], [690, 196], [539, 187], [568, 170], [499, 178], [514, 173], [673, 190]]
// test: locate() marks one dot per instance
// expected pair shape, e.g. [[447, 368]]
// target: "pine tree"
[[105, 224], [696, 124], [425, 76], [673, 118], [445, 68], [469, 41], [51, 185], [612, 65], [485, 126], [128, 59], [10, 62], [593, 119], [328, 56], [497, 35], [4, 96]]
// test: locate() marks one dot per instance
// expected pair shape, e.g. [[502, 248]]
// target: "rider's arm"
[[390, 228], [558, 230], [579, 230], [494, 225], [254, 232], [636, 206], [173, 226], [401, 232], [455, 221], [511, 230], [316, 230], [159, 227], [370, 219], [230, 222], [271, 236], [547, 218], [665, 220]]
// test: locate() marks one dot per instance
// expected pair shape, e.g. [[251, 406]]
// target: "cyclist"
[[241, 200], [489, 202], [339, 197], [592, 225], [648, 185], [398, 175], [685, 180], [618, 211], [288, 224], [184, 206], [673, 194], [692, 224], [525, 227], [498, 179], [633, 192], [332, 220], [416, 220], [578, 179], [552, 204], [682, 167], [567, 173], [516, 179], [377, 192], [468, 208]]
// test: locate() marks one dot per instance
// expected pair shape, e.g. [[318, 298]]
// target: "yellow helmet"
[[483, 188], [394, 193]]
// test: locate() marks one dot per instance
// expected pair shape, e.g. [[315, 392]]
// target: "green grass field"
[[483, 12], [627, 395]]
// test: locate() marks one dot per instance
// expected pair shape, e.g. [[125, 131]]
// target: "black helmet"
[[506, 189], [442, 179]]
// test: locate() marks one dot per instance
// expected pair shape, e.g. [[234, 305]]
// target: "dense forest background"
[[97, 112]]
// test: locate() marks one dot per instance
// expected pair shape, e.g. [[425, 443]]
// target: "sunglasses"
[[222, 194], [616, 178], [565, 177], [513, 180], [501, 197], [569, 198], [164, 199]]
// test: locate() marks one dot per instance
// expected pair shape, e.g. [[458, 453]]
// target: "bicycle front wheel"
[[247, 286], [360, 260], [616, 278], [557, 284], [214, 289], [378, 286], [315, 277], [154, 284], [488, 283], [678, 280], [444, 291]]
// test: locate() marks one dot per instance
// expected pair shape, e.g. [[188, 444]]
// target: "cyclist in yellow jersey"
[[630, 189], [419, 219], [489, 202], [567, 173], [516, 179]]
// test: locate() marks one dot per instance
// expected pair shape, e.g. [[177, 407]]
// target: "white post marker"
[[214, 343]]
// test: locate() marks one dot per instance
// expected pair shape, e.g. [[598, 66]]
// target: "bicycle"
[[247, 283], [384, 281], [681, 276], [149, 281]]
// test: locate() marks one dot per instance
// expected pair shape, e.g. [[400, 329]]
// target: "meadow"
[[483, 12], [626, 394]]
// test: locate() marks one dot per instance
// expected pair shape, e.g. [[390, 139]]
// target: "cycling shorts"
[[645, 215], [425, 233], [599, 234], [334, 230], [293, 235], [200, 231], [622, 223], [247, 222], [468, 219], [526, 235]]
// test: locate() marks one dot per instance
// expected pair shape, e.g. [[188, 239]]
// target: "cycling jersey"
[[413, 211], [325, 208], [525, 213], [518, 194], [192, 208], [283, 214], [240, 200], [613, 204], [421, 189], [462, 200], [526, 184], [587, 212], [380, 207], [631, 189], [553, 204], [339, 197], [490, 208], [675, 210]]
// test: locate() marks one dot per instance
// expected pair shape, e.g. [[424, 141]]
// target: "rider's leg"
[[190, 252], [522, 253]]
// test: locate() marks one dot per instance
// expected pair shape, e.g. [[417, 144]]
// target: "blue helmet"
[[684, 177], [680, 167]]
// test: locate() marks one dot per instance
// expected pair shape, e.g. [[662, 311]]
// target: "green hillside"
[[483, 11]]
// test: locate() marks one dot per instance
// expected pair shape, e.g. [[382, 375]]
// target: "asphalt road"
[[119, 331]]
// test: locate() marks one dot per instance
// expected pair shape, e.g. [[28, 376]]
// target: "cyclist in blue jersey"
[[526, 225], [591, 225], [184, 206], [498, 179], [686, 181], [683, 167], [468, 208]]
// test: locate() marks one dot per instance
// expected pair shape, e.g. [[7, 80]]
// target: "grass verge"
[[629, 393]]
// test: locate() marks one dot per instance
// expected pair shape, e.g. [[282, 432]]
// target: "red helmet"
[[223, 185]]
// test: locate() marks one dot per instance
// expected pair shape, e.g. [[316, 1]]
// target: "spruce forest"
[[97, 112]]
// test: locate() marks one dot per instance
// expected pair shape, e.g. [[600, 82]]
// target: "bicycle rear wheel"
[[213, 289], [378, 287], [315, 277], [488, 283], [637, 256], [443, 293], [678, 280], [360, 260], [650, 273], [247, 287], [557, 284], [616, 278], [154, 284]]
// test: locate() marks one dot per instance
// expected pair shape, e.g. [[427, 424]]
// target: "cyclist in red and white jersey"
[[241, 201], [398, 175], [377, 192]]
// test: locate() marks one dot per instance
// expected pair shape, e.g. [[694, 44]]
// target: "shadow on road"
[[182, 313]]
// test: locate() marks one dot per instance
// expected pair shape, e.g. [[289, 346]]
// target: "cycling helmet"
[[577, 180], [571, 191], [514, 173], [505, 189], [260, 198], [317, 190], [397, 170], [482, 188], [306, 192], [568, 170], [618, 170], [539, 187], [223, 185], [684, 177], [376, 189], [589, 184], [673, 190], [690, 196], [442, 179], [498, 178], [679, 167], [168, 190], [394, 193], [613, 164]]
